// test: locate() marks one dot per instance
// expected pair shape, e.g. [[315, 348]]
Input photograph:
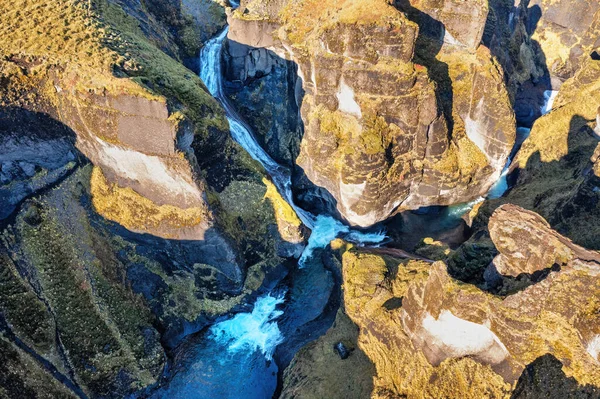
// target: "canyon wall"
[[398, 111]]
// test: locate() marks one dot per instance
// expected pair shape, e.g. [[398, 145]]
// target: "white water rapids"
[[324, 228]]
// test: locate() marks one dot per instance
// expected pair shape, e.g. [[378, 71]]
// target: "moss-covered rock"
[[317, 370], [407, 312], [22, 376], [394, 117]]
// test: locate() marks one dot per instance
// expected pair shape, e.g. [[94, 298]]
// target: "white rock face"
[[449, 39], [456, 337], [351, 193], [346, 100], [593, 348], [148, 171], [475, 131]]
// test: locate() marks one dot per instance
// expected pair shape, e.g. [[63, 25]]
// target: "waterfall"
[[549, 97], [327, 227], [211, 74]]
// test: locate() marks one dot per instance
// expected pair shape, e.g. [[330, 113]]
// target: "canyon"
[[299, 199]]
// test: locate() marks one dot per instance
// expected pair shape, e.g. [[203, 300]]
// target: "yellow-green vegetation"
[[288, 222], [382, 294], [23, 377], [138, 213], [317, 371], [98, 318], [305, 20], [552, 162], [431, 249], [160, 72], [21, 307], [575, 106], [95, 47], [375, 288], [242, 212]]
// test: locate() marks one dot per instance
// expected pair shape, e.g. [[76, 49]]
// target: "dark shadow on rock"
[[36, 153], [267, 92], [504, 35], [428, 45], [508, 285], [409, 228], [574, 172], [314, 298], [564, 192], [188, 28], [126, 261], [315, 199], [544, 378]]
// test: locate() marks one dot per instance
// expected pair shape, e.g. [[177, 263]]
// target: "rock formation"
[[120, 225], [137, 238], [388, 126], [567, 33], [429, 335]]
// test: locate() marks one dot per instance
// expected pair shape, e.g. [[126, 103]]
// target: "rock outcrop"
[[527, 244], [431, 336], [555, 173], [567, 33], [123, 230], [387, 125], [540, 44], [139, 137], [35, 151], [317, 370]]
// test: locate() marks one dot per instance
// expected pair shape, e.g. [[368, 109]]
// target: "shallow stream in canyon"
[[236, 357]]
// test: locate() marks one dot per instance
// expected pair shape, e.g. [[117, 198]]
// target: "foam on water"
[[326, 229], [252, 331]]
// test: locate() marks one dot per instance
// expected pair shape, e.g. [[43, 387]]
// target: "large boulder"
[[527, 244], [388, 126], [430, 335]]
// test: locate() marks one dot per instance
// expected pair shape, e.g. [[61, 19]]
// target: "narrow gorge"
[[299, 199]]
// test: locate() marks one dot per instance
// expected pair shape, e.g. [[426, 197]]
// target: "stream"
[[234, 358]]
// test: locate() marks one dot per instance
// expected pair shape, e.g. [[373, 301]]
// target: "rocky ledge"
[[429, 335], [398, 111]]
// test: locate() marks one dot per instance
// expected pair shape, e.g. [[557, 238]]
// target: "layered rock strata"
[[387, 129], [431, 336]]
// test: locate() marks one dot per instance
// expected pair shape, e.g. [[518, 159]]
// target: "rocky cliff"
[[131, 223], [401, 107], [429, 335], [121, 225]]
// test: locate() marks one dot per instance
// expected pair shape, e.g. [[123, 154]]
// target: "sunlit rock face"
[[434, 336], [556, 170], [384, 128], [463, 22], [567, 32], [527, 244], [142, 147], [540, 44], [138, 133]]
